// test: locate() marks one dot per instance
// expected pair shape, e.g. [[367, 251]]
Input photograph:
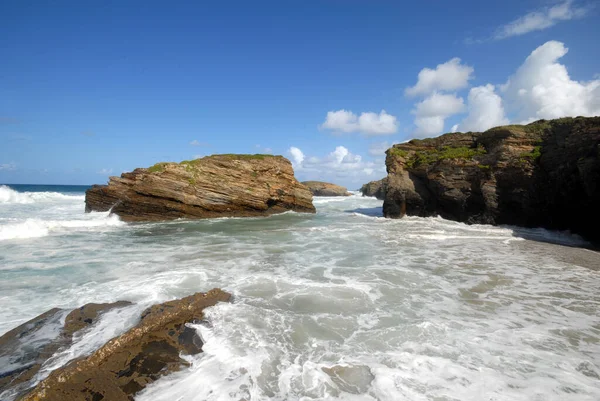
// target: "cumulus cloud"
[[368, 123], [431, 113], [297, 156], [485, 110], [542, 88], [378, 149], [541, 19], [340, 165], [8, 166], [449, 76]]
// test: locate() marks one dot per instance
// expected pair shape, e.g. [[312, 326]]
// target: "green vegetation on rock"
[[157, 168], [397, 152], [431, 156], [257, 156]]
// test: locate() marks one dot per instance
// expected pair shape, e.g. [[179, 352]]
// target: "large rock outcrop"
[[213, 186], [319, 188], [128, 363], [544, 174], [375, 188]]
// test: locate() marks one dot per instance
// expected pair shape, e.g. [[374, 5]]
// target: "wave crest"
[[9, 195], [34, 228]]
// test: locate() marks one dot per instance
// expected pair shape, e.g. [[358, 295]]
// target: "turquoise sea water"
[[343, 304]]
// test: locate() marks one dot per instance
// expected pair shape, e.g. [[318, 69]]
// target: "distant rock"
[[213, 186], [128, 363], [544, 174], [375, 188], [319, 188]]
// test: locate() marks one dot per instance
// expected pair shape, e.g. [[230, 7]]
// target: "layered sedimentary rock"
[[319, 188], [25, 348], [544, 174], [375, 188], [128, 363], [213, 186]]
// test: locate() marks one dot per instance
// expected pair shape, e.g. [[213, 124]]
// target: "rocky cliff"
[[319, 188], [214, 186], [375, 188], [544, 174]]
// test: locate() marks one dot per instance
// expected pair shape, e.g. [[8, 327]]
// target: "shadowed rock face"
[[128, 363], [545, 174], [375, 188], [214, 186], [319, 188], [25, 348]]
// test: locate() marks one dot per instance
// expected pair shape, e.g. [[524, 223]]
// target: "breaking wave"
[[9, 195]]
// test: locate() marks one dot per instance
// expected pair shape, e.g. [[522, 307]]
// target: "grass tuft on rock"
[[432, 156]]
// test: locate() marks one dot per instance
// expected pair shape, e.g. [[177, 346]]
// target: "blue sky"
[[92, 89]]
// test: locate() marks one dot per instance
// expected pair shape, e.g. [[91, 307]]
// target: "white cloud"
[[541, 19], [196, 142], [368, 123], [485, 110], [454, 128], [340, 165], [297, 156], [8, 166], [449, 76], [542, 88], [431, 113], [378, 149], [105, 171]]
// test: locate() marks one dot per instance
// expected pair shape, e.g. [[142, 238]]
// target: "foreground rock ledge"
[[213, 186], [319, 188], [544, 174], [128, 363]]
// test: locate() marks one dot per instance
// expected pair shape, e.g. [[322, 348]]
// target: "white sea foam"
[[339, 305], [34, 228], [8, 195]]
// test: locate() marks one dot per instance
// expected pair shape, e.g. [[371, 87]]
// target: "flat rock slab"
[[25, 348], [128, 363]]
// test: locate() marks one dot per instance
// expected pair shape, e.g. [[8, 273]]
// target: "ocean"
[[343, 304]]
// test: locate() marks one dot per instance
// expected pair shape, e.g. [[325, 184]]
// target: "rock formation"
[[375, 188], [319, 188], [24, 349], [213, 186], [544, 174], [131, 361]]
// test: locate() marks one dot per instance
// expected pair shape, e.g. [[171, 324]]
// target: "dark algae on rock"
[[214, 186], [543, 174]]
